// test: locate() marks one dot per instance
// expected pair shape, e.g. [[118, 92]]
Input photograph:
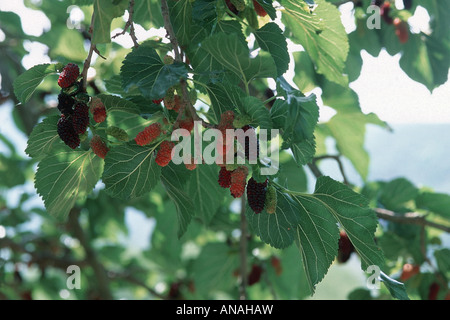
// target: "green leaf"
[[278, 229], [104, 12], [124, 114], [146, 11], [144, 68], [213, 269], [395, 194], [235, 56], [205, 192], [351, 212], [130, 171], [255, 109], [396, 289], [322, 35], [27, 82], [297, 117], [65, 177], [181, 19], [426, 59], [174, 179], [271, 39], [224, 97], [44, 138], [436, 202]]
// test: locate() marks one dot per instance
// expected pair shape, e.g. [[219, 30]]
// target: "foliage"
[[215, 58]]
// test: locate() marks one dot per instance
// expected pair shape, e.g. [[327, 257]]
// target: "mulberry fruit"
[[384, 12], [191, 166], [271, 200], [226, 121], [256, 194], [157, 101], [255, 274], [98, 110], [187, 124], [68, 75], [98, 146], [149, 134], [259, 9], [67, 133], [401, 30], [65, 104], [251, 143], [231, 7], [238, 181], [224, 177], [173, 103], [117, 133], [80, 117], [164, 154], [345, 247]]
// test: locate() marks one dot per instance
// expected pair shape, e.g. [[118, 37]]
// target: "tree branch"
[[409, 218], [337, 158]]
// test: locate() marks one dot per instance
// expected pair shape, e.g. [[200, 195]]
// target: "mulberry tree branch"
[[129, 24]]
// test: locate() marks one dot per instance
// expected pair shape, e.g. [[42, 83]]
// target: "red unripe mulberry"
[[164, 154], [99, 146], [68, 75], [98, 110], [238, 181], [259, 9], [224, 177], [149, 134]]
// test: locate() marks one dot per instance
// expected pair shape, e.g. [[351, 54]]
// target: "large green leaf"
[[104, 12], [27, 82], [64, 177], [130, 171], [322, 35], [436, 202], [181, 19], [148, 11], [144, 68], [256, 111], [235, 56], [426, 59], [224, 97], [270, 38]]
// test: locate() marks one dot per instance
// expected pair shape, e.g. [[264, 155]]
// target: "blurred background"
[[34, 250]]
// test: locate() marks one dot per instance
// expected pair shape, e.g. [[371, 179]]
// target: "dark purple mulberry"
[[67, 133], [65, 104], [256, 194], [80, 117]]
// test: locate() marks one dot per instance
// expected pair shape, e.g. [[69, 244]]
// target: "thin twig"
[[87, 62], [243, 252], [129, 24], [339, 162]]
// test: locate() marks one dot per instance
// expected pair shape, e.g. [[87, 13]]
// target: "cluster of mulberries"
[[235, 180], [74, 118]]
